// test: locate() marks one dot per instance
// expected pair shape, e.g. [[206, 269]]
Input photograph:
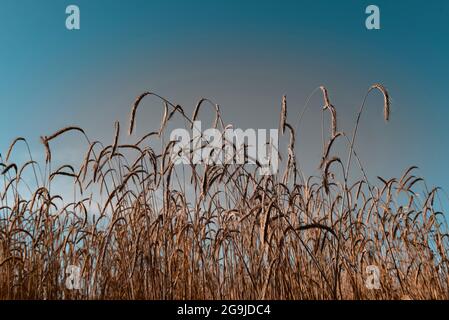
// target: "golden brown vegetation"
[[159, 231]]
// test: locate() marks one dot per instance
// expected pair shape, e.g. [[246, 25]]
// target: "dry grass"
[[141, 228]]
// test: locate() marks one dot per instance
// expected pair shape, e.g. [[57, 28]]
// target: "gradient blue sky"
[[242, 54]]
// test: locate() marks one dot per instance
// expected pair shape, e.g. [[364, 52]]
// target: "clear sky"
[[244, 55]]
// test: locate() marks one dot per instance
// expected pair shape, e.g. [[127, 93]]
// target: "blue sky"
[[242, 54]]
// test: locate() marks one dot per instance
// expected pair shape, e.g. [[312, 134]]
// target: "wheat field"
[[140, 227]]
